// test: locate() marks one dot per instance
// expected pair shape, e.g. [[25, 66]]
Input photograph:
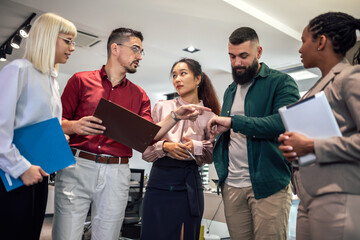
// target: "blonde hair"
[[41, 44]]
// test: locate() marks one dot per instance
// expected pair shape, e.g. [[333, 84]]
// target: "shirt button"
[[112, 89], [99, 146], [228, 111]]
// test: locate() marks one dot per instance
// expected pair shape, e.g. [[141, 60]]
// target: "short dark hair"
[[340, 28], [242, 35], [121, 35]]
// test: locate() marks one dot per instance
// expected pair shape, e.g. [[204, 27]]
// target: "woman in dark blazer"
[[329, 189]]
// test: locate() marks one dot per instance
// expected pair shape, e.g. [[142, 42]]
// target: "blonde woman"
[[30, 90]]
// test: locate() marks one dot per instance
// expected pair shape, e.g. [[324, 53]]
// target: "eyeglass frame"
[[135, 48], [69, 42]]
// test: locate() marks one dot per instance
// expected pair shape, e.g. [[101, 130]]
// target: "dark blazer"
[[337, 167]]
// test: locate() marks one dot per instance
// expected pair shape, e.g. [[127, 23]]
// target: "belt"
[[295, 166], [100, 158]]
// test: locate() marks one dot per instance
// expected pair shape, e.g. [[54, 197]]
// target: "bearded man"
[[253, 175]]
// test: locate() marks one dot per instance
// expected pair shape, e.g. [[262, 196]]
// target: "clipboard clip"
[[299, 102]]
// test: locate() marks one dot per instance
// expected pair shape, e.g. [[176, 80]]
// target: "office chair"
[[132, 221]]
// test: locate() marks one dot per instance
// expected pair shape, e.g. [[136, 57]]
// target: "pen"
[[192, 156]]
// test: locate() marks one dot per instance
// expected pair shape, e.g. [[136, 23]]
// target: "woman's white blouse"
[[27, 96]]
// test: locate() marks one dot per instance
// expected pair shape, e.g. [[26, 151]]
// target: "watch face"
[[173, 115]]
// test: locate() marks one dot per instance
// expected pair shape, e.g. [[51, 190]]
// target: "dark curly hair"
[[340, 28]]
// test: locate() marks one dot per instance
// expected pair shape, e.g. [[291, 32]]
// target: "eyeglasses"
[[136, 49], [68, 41]]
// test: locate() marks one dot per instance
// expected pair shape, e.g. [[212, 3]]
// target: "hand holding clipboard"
[[125, 126], [313, 118]]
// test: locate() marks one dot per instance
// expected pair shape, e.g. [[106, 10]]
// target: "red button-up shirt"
[[80, 98]]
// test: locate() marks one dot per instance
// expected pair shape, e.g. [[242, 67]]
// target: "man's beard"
[[131, 69], [247, 75]]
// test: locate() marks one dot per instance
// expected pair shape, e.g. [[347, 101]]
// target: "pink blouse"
[[195, 130]]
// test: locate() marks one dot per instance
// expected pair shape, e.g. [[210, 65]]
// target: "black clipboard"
[[124, 126]]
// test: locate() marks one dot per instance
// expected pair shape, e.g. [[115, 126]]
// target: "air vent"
[[86, 39]]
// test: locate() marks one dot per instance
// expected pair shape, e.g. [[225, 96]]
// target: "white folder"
[[311, 117]]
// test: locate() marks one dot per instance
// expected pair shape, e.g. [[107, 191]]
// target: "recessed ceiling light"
[[191, 49]]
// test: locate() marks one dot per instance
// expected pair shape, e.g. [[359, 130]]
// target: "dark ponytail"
[[340, 28], [206, 91], [207, 94]]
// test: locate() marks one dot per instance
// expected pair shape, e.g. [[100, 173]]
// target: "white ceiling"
[[169, 26]]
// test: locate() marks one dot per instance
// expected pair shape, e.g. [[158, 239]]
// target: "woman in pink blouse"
[[174, 197]]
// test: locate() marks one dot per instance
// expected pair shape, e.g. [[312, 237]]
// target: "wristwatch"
[[173, 115]]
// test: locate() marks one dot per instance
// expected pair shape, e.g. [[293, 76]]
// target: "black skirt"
[[174, 196]]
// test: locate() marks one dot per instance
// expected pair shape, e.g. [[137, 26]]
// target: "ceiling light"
[[191, 49], [302, 75], [8, 48], [14, 39], [24, 32], [242, 5], [15, 43], [2, 55]]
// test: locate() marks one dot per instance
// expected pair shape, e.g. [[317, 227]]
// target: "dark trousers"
[[22, 211]]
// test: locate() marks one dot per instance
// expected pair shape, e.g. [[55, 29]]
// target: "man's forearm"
[[67, 126]]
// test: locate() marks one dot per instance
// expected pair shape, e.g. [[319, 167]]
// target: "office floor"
[[47, 226], [46, 229], [292, 219]]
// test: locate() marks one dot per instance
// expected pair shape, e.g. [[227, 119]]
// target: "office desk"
[[211, 202]]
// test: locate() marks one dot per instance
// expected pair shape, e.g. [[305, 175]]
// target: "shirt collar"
[[183, 102], [53, 73], [104, 77], [340, 66], [335, 70], [263, 72]]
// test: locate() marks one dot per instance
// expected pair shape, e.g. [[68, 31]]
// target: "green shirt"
[[269, 171]]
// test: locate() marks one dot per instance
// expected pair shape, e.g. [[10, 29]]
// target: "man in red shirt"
[[101, 174]]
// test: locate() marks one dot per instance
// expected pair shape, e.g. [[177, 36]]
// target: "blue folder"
[[42, 144]]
